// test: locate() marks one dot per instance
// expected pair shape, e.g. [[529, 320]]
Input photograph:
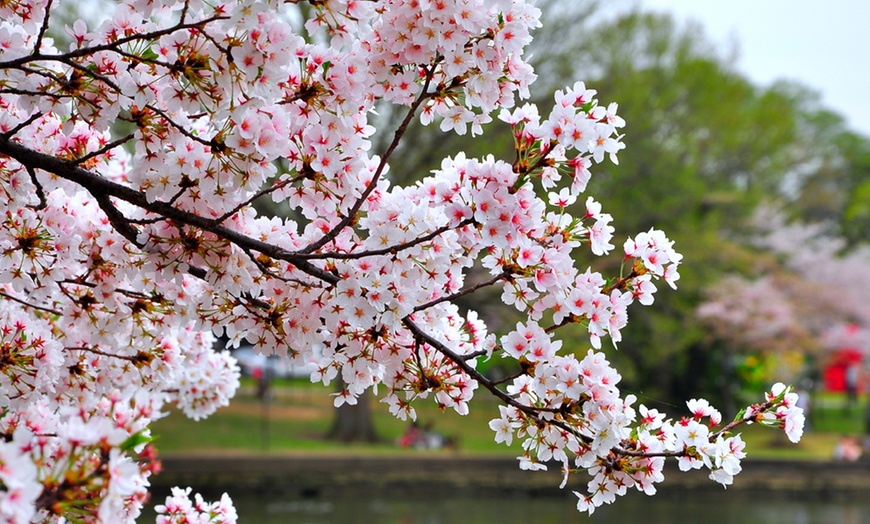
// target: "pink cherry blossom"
[[124, 256]]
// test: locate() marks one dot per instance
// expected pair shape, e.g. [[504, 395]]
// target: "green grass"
[[298, 418], [300, 414], [831, 413]]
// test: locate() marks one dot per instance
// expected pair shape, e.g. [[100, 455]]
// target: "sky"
[[822, 45]]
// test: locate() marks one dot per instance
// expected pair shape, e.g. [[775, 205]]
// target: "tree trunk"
[[354, 423]]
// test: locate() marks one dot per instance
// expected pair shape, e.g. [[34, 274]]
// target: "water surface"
[[705, 508]]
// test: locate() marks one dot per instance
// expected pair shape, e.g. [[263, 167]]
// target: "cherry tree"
[[807, 296], [130, 161]]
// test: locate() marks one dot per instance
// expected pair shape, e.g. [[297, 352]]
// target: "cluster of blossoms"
[[570, 412], [179, 509], [130, 164]]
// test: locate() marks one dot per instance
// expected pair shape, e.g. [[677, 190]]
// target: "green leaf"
[[135, 440]]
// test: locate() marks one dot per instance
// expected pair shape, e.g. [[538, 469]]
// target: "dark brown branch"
[[508, 378], [103, 188], [749, 417], [569, 319], [389, 250], [397, 137], [105, 149], [27, 92], [118, 220], [85, 71], [461, 363], [461, 293], [44, 27], [33, 118], [464, 366], [40, 192], [666, 454], [131, 358], [621, 283], [28, 304], [474, 354], [266, 270], [261, 193], [80, 281], [178, 127], [85, 51]]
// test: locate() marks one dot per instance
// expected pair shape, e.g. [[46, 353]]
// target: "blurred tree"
[[834, 184], [353, 422], [808, 294]]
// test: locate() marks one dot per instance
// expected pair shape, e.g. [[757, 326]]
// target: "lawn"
[[300, 414]]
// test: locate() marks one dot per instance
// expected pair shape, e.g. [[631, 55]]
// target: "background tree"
[[806, 295]]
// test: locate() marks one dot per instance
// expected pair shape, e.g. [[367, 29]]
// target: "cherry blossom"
[[130, 166], [179, 509]]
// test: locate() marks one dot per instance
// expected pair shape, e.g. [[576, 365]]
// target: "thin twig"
[[105, 149], [397, 136], [461, 293], [28, 304], [40, 192], [259, 194], [388, 250], [110, 46], [129, 358], [102, 188], [33, 118], [44, 27]]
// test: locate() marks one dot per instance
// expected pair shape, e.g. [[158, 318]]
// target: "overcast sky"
[[823, 45]]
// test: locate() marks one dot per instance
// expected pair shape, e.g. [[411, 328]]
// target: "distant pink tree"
[[810, 293]]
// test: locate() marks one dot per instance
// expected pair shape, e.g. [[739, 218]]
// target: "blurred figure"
[[431, 438], [851, 385], [412, 436], [805, 402], [426, 437], [264, 379], [848, 449]]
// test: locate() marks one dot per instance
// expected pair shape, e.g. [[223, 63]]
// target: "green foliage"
[[837, 187], [704, 146]]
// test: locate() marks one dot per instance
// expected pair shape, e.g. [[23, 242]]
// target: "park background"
[[753, 179]]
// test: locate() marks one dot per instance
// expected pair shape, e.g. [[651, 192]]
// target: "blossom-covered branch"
[[131, 164]]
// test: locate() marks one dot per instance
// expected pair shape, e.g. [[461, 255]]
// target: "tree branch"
[[397, 137], [102, 188], [105, 149], [44, 27], [85, 51], [388, 250], [28, 304], [461, 293], [135, 359]]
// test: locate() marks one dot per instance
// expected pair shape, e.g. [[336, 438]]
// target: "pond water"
[[706, 508]]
